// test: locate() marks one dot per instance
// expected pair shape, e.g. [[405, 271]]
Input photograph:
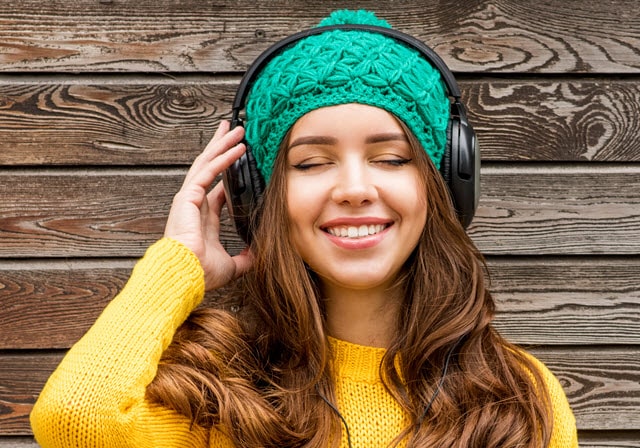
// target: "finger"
[[223, 128], [216, 198], [204, 213], [211, 213], [222, 141], [243, 262], [205, 176]]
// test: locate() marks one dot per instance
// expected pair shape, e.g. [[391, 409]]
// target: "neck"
[[362, 317]]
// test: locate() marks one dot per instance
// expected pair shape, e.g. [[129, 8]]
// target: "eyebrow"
[[313, 140], [326, 140], [389, 136]]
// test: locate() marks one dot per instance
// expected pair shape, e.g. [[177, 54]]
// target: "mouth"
[[360, 231]]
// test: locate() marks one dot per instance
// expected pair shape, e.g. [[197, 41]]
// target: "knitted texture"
[[96, 398], [340, 67]]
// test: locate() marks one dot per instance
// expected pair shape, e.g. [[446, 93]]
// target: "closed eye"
[[393, 162], [305, 166]]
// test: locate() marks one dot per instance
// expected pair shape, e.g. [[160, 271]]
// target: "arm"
[[95, 398]]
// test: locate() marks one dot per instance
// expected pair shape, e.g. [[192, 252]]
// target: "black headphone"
[[460, 166]]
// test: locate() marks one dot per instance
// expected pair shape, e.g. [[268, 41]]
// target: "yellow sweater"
[[95, 398]]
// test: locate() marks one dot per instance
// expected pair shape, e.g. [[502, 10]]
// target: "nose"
[[354, 185]]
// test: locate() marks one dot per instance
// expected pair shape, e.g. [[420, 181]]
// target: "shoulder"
[[564, 433]]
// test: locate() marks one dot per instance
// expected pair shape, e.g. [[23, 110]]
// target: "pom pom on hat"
[[341, 67], [349, 17]]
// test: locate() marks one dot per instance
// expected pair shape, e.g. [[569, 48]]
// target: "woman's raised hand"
[[194, 218]]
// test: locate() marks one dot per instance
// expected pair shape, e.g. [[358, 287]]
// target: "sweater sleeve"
[[96, 396]]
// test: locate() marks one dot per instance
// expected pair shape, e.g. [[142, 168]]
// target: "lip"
[[355, 221], [364, 242]]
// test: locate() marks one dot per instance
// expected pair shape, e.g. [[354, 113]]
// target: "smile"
[[356, 231]]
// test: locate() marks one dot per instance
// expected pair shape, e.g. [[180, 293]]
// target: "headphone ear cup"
[[445, 163], [463, 167], [243, 187]]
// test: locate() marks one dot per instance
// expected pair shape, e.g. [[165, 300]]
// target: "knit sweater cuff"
[[168, 279]]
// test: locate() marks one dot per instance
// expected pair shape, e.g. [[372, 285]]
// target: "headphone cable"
[[337, 412], [440, 382]]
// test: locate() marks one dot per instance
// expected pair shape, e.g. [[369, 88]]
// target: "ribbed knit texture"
[[340, 67], [95, 398]]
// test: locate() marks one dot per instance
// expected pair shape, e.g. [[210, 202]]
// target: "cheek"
[[293, 200], [410, 196], [306, 197], [299, 206]]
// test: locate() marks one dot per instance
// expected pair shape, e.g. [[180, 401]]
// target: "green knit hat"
[[340, 67]]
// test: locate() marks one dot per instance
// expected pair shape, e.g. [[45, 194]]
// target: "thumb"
[[243, 262]]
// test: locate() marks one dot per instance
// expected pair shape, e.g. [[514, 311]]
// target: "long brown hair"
[[261, 374]]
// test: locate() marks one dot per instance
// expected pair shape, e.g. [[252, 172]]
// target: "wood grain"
[[609, 439], [157, 120], [52, 304], [548, 301], [21, 380], [555, 120], [603, 386], [18, 442], [567, 301], [572, 36], [564, 209], [92, 213]]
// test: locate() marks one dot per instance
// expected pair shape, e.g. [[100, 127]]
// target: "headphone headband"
[[262, 60]]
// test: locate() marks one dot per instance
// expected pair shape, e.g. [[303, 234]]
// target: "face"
[[355, 198]]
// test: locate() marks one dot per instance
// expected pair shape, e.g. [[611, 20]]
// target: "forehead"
[[346, 120]]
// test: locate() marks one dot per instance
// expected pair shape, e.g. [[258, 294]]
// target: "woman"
[[359, 315]]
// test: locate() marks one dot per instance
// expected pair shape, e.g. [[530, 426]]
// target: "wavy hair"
[[261, 374]]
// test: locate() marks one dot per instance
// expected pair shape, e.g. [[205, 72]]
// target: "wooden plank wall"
[[104, 103]]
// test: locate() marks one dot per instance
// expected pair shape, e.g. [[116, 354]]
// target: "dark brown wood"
[[609, 439], [157, 36], [22, 377], [155, 120], [579, 302], [567, 301], [544, 210], [92, 213], [51, 305], [555, 120], [535, 210], [603, 386]]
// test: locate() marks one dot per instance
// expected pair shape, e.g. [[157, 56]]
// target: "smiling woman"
[[360, 313], [357, 207], [340, 182]]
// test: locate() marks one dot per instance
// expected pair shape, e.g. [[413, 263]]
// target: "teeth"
[[356, 232]]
